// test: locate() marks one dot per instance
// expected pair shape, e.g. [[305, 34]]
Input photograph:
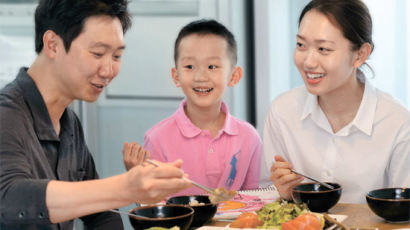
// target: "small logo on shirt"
[[232, 174]]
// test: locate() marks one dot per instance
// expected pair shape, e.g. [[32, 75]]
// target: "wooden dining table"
[[359, 216]]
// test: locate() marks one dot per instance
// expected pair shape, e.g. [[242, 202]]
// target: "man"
[[47, 175]]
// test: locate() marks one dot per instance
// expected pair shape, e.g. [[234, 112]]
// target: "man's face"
[[93, 60]]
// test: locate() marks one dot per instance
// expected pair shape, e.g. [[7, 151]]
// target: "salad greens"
[[278, 212]]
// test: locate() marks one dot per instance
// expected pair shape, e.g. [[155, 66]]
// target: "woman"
[[338, 127]]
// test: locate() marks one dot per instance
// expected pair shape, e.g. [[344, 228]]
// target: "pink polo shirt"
[[231, 160]]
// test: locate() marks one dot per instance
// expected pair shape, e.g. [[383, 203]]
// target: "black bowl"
[[202, 213], [317, 197], [166, 216], [391, 204]]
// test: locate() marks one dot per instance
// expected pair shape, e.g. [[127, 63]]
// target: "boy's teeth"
[[202, 90], [315, 75]]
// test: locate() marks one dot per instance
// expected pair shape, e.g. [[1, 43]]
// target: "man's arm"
[[142, 184]]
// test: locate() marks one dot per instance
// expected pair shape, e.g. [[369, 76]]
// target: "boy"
[[218, 149], [47, 175]]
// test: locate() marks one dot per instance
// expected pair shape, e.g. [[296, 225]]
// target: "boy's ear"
[[362, 55], [175, 77], [50, 43], [236, 76]]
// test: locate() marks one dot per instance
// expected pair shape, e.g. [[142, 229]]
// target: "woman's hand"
[[283, 179], [133, 154]]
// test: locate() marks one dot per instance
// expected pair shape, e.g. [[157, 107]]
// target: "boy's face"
[[204, 69], [93, 60]]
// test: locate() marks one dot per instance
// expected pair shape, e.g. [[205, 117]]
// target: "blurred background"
[[143, 93]]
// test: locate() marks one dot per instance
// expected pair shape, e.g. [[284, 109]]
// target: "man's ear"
[[236, 76], [362, 54], [50, 43], [175, 77]]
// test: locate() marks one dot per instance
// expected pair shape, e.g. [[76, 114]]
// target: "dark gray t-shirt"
[[31, 154]]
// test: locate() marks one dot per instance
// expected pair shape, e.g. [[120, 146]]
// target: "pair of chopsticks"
[[203, 187], [312, 179]]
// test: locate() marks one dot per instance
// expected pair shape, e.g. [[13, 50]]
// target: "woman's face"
[[323, 56]]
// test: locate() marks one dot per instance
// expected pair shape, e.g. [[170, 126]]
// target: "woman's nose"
[[310, 61]]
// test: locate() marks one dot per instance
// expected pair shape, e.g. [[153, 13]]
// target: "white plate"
[[339, 218]]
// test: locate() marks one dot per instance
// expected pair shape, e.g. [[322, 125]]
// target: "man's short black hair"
[[206, 27], [67, 17]]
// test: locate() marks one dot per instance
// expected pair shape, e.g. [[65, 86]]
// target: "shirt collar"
[[365, 115], [189, 130], [41, 118]]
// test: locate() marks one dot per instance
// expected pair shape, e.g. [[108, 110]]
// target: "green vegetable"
[[278, 212]]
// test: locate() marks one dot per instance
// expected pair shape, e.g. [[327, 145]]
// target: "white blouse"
[[371, 152]]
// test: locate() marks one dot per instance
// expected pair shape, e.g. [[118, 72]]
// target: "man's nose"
[[107, 69]]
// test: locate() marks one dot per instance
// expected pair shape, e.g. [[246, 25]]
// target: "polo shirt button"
[[21, 215], [41, 215], [211, 150]]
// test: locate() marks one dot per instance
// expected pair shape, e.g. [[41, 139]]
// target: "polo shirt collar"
[[189, 130], [41, 118], [364, 118]]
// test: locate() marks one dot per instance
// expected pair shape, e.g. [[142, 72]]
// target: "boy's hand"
[[133, 154], [283, 179]]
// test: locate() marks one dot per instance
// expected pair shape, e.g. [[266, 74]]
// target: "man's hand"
[[283, 179], [151, 184]]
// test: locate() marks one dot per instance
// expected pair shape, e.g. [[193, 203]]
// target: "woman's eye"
[[189, 66], [298, 44], [212, 67], [324, 50]]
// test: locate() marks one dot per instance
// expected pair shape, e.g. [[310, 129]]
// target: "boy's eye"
[[212, 67], [189, 66]]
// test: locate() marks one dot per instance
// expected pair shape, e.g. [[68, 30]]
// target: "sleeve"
[[154, 148], [22, 199], [399, 166], [273, 144], [253, 174], [102, 220]]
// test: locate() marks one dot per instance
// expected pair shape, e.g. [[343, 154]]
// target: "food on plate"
[[231, 205], [306, 221], [276, 213], [196, 203], [221, 194], [246, 220]]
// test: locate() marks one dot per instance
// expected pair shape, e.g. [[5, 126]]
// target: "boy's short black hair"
[[67, 17], [206, 27]]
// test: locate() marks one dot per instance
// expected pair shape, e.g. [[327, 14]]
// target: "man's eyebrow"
[[101, 44], [316, 41]]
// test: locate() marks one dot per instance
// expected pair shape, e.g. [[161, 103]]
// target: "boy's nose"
[[201, 75]]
